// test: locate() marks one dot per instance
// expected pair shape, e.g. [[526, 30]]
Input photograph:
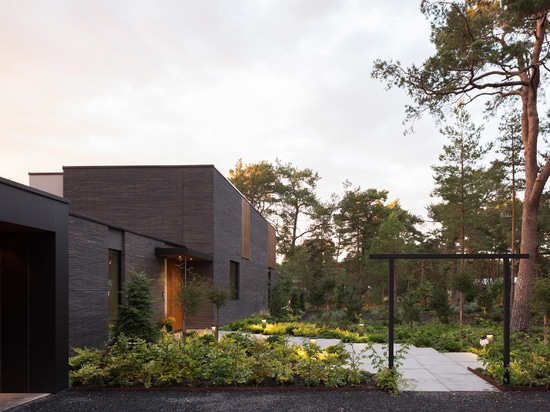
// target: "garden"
[[255, 352]]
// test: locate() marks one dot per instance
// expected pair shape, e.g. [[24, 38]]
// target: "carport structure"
[[506, 257], [33, 290]]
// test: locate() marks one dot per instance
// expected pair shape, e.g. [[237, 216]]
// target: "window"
[[113, 291], [234, 280]]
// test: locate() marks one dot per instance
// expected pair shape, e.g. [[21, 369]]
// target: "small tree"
[[135, 319], [191, 298], [464, 285], [440, 304], [279, 301], [424, 291], [485, 298], [218, 297], [410, 309]]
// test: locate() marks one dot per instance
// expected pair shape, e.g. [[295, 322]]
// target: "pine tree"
[[135, 315]]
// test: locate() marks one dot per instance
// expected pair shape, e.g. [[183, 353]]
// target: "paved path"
[[425, 369]]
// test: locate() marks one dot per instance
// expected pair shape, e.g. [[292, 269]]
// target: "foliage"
[[541, 296], [234, 359], [424, 291], [386, 378], [280, 303], [496, 51], [529, 363], [135, 315], [410, 309], [218, 296], [192, 296], [257, 182], [439, 302]]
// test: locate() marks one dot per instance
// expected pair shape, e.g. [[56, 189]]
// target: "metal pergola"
[[391, 257]]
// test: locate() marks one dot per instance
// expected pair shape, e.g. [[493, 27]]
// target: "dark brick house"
[[159, 219]]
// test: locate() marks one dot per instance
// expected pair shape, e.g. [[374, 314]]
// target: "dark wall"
[[228, 247], [33, 290], [139, 255], [194, 206], [88, 268], [172, 203], [88, 285]]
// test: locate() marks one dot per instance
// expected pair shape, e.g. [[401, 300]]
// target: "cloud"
[[177, 82]]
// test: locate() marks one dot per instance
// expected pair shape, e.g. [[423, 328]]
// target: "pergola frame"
[[391, 257]]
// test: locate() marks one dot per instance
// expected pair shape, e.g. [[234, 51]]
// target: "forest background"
[[489, 51]]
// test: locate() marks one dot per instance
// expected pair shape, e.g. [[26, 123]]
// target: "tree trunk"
[[526, 272], [534, 184]]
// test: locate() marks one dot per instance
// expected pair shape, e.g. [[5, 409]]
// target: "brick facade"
[[193, 206], [88, 286]]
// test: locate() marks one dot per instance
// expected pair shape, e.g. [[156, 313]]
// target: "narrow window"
[[234, 280], [113, 291]]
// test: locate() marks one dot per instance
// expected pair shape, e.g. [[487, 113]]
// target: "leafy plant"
[[135, 315], [439, 303], [235, 359], [387, 378], [191, 297], [410, 309]]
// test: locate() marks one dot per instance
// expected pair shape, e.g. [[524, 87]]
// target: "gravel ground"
[[303, 400]]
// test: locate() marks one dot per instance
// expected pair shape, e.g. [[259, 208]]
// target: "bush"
[[135, 316], [234, 359], [439, 303]]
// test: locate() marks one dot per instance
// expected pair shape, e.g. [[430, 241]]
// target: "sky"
[[178, 82]]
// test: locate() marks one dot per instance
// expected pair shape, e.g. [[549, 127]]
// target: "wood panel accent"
[[245, 229], [271, 247]]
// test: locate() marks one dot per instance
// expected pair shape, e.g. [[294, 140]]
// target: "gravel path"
[[303, 400]]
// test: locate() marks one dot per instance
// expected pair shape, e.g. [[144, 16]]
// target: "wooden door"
[[173, 280]]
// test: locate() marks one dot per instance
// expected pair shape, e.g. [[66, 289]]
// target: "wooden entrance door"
[[173, 280]]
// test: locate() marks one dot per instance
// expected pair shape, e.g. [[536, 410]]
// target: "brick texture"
[[194, 206]]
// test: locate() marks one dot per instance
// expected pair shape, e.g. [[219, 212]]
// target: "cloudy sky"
[[102, 82]]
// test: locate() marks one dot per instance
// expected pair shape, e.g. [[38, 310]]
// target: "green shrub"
[[85, 367], [135, 316], [529, 362], [235, 359]]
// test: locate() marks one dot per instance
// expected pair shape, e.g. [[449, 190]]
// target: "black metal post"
[[391, 315], [507, 290], [506, 328]]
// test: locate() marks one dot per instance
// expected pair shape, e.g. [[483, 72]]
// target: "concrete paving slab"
[[421, 380], [11, 400]]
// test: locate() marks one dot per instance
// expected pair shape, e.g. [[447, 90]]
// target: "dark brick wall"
[[197, 207], [88, 275], [191, 205], [88, 267], [173, 203], [228, 247], [139, 254]]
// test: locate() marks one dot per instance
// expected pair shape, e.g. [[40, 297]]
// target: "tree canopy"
[[497, 51]]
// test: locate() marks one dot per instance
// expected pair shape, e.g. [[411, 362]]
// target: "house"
[[97, 224], [165, 221]]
